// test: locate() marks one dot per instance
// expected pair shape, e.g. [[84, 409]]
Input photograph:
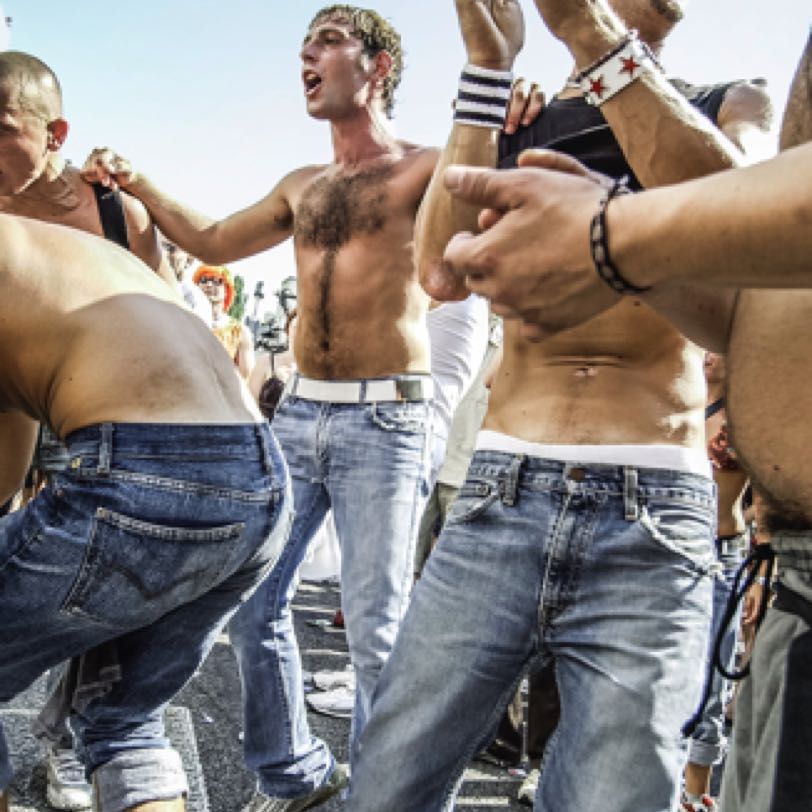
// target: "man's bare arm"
[[746, 228], [242, 234], [493, 34], [664, 139], [143, 239], [749, 227], [18, 436]]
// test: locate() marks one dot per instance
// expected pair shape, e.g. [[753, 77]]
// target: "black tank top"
[[111, 212], [579, 129]]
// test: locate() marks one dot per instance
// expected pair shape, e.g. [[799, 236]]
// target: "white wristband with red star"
[[624, 64]]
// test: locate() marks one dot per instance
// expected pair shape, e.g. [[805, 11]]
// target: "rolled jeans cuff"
[[139, 776]]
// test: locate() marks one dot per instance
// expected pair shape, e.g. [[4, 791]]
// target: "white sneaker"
[[338, 702], [338, 779], [327, 680], [527, 791], [67, 787]]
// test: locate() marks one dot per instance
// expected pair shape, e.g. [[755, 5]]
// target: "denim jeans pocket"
[[404, 417], [474, 498], [134, 572], [684, 528]]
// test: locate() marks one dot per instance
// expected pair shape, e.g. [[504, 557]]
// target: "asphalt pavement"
[[205, 725]]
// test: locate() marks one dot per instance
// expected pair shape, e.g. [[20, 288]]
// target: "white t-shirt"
[[459, 338]]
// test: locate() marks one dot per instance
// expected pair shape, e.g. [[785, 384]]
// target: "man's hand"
[[107, 167], [526, 105], [492, 31], [532, 259], [569, 19]]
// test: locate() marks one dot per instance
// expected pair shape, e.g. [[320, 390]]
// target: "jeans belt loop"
[[510, 484], [630, 504], [362, 392], [105, 449]]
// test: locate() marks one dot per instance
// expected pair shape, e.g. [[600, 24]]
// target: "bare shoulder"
[[748, 102], [288, 192], [418, 163], [294, 182], [424, 157]]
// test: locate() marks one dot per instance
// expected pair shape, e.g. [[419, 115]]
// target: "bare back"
[[361, 308], [624, 377], [769, 391], [89, 334]]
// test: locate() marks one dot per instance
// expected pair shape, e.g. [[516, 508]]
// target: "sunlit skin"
[[98, 340], [576, 386], [36, 182]]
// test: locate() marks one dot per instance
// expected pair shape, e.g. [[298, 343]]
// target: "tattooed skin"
[[332, 212]]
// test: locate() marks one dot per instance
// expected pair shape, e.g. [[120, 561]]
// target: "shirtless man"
[[749, 228], [36, 182], [584, 531], [355, 421], [172, 509]]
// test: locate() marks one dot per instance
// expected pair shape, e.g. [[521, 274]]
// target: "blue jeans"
[[369, 463], [604, 570], [151, 537], [768, 764], [708, 741]]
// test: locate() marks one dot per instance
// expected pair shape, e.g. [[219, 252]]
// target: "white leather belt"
[[396, 388]]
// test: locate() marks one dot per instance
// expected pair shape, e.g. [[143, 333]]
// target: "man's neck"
[[54, 192], [362, 138]]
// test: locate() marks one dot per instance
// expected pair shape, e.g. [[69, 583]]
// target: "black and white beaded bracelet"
[[599, 244]]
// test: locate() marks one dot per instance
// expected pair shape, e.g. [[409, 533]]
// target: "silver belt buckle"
[[409, 389]]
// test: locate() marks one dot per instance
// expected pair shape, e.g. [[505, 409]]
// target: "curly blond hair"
[[376, 34]]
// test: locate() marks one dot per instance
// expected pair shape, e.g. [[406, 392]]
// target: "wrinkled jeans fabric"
[[605, 570], [708, 743], [369, 463], [767, 769], [152, 536]]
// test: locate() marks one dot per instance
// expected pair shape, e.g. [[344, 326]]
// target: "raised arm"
[[493, 33], [242, 234], [747, 228], [665, 140]]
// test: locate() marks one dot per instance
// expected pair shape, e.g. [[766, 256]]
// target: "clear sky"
[[206, 97]]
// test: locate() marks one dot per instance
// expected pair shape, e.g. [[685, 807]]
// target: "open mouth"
[[312, 81]]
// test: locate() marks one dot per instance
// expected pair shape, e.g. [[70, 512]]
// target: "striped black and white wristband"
[[483, 97]]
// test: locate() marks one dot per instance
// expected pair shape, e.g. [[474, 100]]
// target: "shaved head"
[[37, 88]]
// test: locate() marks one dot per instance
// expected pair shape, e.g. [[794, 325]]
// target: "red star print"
[[629, 66], [597, 86]]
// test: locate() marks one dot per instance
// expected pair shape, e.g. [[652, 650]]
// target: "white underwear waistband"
[[667, 457]]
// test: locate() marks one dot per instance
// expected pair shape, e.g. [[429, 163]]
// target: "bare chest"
[[335, 209]]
